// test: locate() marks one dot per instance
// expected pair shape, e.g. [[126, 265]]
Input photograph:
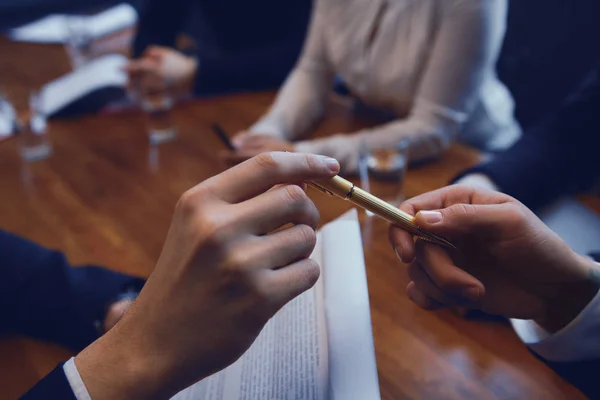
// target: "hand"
[[161, 69], [226, 268], [248, 146], [507, 262], [115, 312]]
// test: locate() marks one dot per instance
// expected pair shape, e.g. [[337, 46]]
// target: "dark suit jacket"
[[560, 155], [44, 297], [241, 45], [54, 386]]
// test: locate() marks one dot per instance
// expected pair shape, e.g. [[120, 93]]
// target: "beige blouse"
[[432, 61]]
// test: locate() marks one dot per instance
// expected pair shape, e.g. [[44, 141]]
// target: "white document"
[[53, 29], [317, 347], [106, 71]]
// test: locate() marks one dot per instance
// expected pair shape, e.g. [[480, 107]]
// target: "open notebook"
[[320, 345]]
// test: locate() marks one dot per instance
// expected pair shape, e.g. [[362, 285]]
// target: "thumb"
[[462, 219]]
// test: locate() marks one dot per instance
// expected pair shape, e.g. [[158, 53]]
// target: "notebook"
[[320, 345]]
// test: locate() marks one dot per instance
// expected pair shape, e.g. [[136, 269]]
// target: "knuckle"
[[266, 161], [309, 162], [309, 236], [295, 196], [312, 271], [212, 229], [187, 202], [518, 213], [306, 277], [460, 210]]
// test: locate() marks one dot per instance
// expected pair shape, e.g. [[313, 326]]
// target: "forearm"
[[117, 367], [426, 141], [299, 105], [569, 329]]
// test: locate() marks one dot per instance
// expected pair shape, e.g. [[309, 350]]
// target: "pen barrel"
[[384, 210]]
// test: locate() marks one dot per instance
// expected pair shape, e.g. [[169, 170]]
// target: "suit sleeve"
[[559, 156], [54, 386], [43, 296], [159, 24]]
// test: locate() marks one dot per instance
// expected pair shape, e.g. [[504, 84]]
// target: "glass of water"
[[382, 171], [79, 40], [34, 142], [159, 119]]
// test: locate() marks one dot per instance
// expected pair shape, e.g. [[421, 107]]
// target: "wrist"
[[572, 297], [116, 367]]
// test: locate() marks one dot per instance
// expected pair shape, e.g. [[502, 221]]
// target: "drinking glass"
[[159, 119], [79, 40], [34, 143]]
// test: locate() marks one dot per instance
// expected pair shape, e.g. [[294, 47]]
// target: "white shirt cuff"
[[478, 180], [577, 341], [77, 385]]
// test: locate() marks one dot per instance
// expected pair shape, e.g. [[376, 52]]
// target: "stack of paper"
[[54, 28], [320, 345], [104, 72]]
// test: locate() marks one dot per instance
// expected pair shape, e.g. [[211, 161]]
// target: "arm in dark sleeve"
[[159, 24], [560, 155], [42, 296], [53, 386]]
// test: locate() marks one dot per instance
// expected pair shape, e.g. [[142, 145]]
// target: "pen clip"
[[319, 188]]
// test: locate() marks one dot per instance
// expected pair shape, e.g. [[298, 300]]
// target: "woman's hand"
[[249, 145]]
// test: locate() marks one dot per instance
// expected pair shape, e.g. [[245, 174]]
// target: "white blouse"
[[432, 62]]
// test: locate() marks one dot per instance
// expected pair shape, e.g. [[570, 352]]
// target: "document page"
[[288, 360], [317, 347], [106, 71], [54, 28]]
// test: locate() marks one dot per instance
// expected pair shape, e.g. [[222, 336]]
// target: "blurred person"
[[14, 13], [431, 63], [225, 269], [557, 156], [239, 45], [44, 297], [508, 263]]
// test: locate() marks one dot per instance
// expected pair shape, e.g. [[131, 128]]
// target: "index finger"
[[260, 173], [450, 195], [402, 241]]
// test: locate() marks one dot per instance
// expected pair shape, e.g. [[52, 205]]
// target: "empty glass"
[[79, 40], [34, 142], [159, 118], [382, 171]]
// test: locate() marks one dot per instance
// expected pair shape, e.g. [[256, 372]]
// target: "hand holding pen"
[[345, 190]]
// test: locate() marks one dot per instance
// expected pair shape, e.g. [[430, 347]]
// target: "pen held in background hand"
[[223, 136], [340, 187]]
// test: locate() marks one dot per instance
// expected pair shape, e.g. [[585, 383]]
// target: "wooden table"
[[106, 197]]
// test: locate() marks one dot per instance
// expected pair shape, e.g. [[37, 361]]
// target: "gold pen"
[[346, 190]]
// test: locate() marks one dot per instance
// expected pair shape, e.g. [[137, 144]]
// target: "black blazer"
[[240, 44], [560, 155]]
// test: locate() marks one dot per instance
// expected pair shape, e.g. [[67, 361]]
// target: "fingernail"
[[331, 163], [431, 217], [237, 142], [472, 294], [398, 253]]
